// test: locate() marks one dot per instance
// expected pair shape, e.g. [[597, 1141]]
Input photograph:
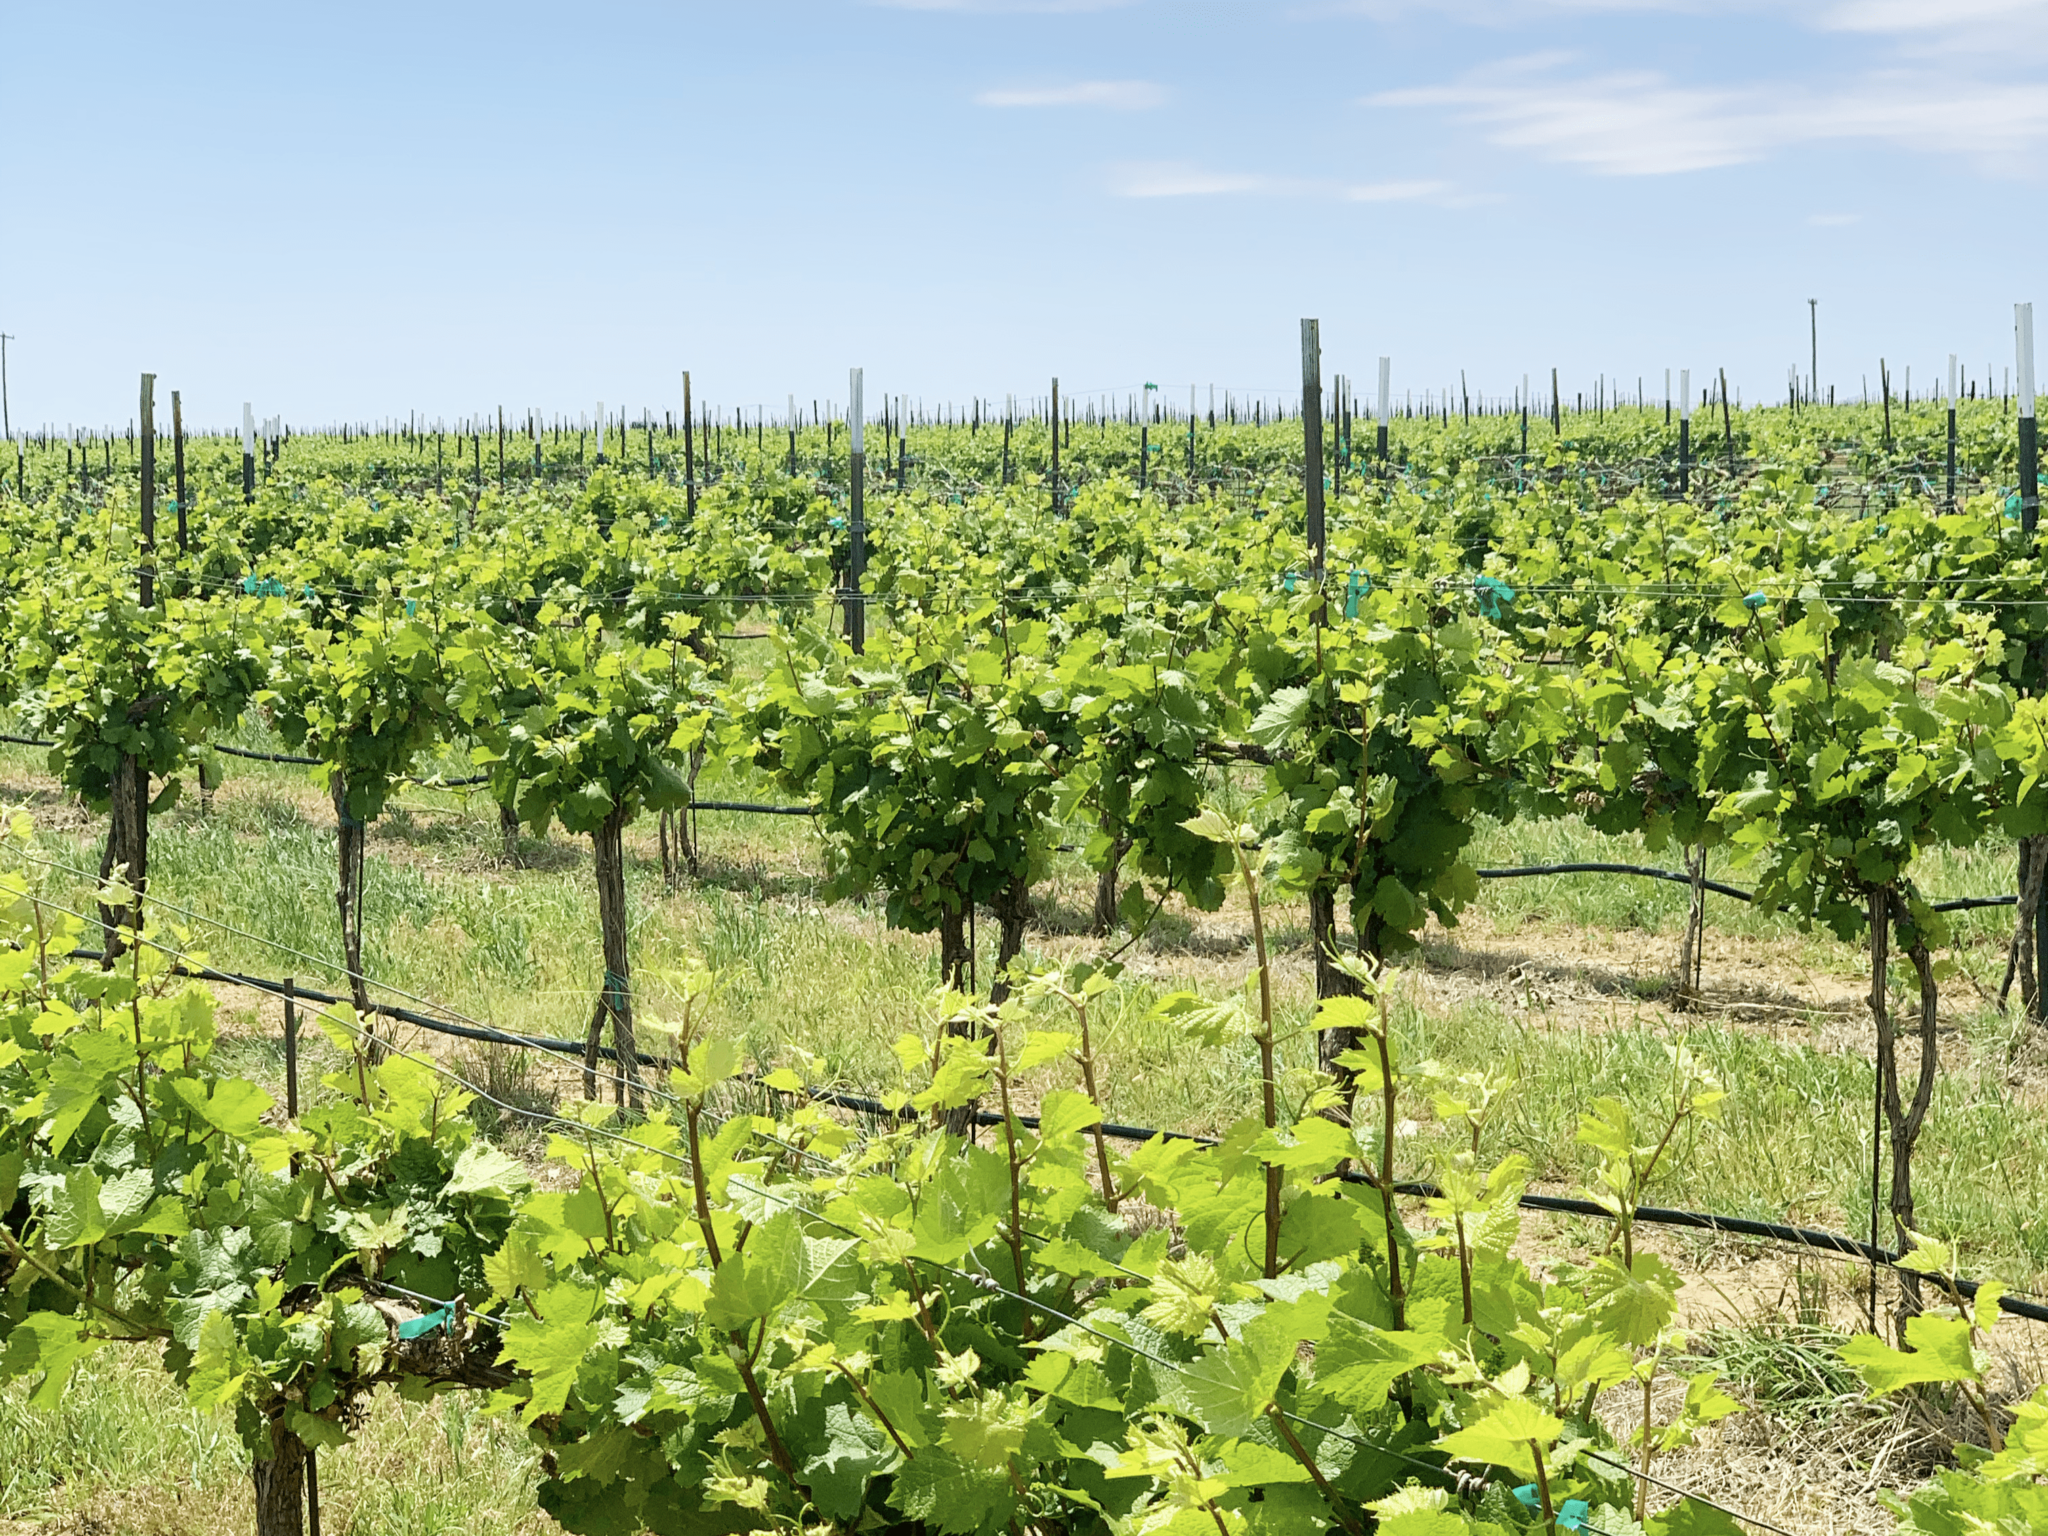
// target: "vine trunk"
[[127, 850], [352, 835], [608, 845], [280, 1481], [2023, 955], [1332, 981]]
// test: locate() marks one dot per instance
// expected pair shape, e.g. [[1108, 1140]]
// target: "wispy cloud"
[[1917, 15], [1181, 178], [1918, 27], [1396, 192], [1633, 123], [1641, 123], [1508, 13], [1927, 15], [992, 7], [1118, 95]]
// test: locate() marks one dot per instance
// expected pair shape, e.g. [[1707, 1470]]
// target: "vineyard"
[[893, 977]]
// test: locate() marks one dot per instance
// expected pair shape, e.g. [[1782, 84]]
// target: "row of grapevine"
[[784, 1322], [1644, 642], [718, 1319]]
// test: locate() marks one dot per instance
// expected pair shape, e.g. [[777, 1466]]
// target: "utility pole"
[[6, 417], [1813, 320]]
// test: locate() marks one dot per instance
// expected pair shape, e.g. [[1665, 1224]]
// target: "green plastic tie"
[[1493, 595], [440, 1320]]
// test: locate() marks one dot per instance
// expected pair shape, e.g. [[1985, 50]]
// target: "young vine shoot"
[[725, 1306]]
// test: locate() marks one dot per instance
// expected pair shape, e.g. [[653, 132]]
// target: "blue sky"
[[383, 207]]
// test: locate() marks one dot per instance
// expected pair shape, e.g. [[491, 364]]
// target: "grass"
[[1788, 1367], [125, 1454], [1655, 906], [830, 986]]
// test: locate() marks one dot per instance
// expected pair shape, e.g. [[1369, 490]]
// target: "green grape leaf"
[[1064, 1113], [235, 1106], [552, 1348], [769, 1274], [516, 1266], [1043, 1047], [1689, 1517], [1635, 1304], [1358, 1363], [854, 1450], [962, 1209], [51, 1344], [1503, 1437], [901, 1395], [1940, 1352], [953, 1496], [1281, 716], [483, 1169]]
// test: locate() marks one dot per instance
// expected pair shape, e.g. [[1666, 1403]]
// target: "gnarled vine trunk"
[[1013, 911], [608, 844], [687, 830], [955, 958], [1884, 1064], [1103, 923], [508, 833], [2023, 960], [1903, 1118], [1691, 947], [280, 1480], [678, 833], [953, 953], [1105, 887], [127, 852], [1332, 981], [351, 837]]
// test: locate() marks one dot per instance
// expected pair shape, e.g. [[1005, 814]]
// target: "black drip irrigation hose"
[[746, 808], [383, 1010], [1740, 1226], [1699, 1221], [314, 762], [1679, 877], [259, 757], [296, 760]]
